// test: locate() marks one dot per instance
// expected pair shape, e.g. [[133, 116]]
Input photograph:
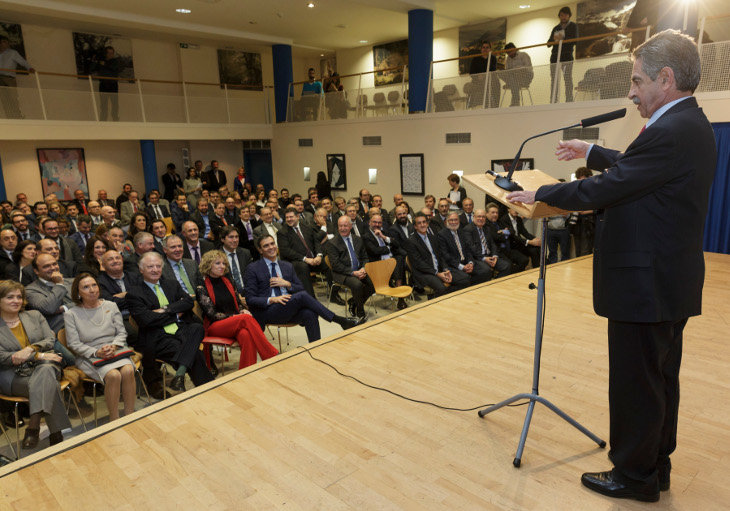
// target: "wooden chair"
[[427, 289], [210, 341], [136, 361], [341, 286], [16, 400], [379, 273], [168, 223]]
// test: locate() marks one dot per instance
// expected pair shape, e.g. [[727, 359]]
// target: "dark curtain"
[[717, 224]]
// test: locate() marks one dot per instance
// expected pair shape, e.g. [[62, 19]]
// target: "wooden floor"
[[292, 434]]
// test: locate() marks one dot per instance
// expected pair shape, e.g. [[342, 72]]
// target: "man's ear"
[[666, 78]]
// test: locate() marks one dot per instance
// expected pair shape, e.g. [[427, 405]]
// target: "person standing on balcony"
[[313, 87], [520, 73], [566, 29], [10, 60], [478, 67], [110, 66]]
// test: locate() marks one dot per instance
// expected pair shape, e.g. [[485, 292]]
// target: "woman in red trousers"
[[224, 311]]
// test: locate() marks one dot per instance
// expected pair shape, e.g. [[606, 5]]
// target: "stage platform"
[[292, 434]]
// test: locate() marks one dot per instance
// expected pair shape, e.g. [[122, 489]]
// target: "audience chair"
[[427, 289], [16, 400], [379, 273], [379, 104], [341, 286], [394, 101], [163, 368], [169, 224], [279, 326], [522, 95], [210, 341]]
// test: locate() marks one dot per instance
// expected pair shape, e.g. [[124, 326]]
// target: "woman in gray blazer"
[[26, 336]]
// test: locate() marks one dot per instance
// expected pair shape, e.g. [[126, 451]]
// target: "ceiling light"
[[525, 6], [183, 11], [321, 54], [310, 5], [362, 41]]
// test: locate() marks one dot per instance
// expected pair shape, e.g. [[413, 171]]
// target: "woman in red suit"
[[225, 313]]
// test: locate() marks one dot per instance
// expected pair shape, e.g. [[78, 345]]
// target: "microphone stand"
[[534, 395]]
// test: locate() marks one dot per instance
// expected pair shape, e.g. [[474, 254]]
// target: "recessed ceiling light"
[[362, 41], [321, 54], [183, 11], [310, 5], [525, 6]]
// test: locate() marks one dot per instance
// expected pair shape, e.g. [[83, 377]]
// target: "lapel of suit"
[[11, 340]]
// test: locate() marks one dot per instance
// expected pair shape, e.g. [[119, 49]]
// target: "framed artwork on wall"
[[411, 174], [504, 164], [90, 53], [63, 171], [337, 171], [240, 70]]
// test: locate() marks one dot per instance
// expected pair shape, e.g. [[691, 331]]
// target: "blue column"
[[420, 55], [3, 192], [149, 165], [283, 76]]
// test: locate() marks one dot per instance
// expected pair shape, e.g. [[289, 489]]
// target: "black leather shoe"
[[55, 438], [335, 298], [353, 322], [178, 383], [213, 369], [9, 420], [401, 304], [606, 484], [30, 439]]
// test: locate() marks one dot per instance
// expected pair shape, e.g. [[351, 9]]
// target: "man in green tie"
[[167, 328], [178, 268]]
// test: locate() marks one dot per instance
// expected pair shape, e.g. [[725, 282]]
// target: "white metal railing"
[[60, 97], [354, 102]]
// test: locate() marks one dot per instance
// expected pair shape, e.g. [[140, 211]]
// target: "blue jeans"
[[557, 237]]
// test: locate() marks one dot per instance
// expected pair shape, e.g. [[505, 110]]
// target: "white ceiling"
[[330, 25]]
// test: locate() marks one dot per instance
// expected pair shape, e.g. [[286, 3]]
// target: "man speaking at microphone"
[[648, 265]]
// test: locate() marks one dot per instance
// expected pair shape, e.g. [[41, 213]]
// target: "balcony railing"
[[354, 102], [63, 97]]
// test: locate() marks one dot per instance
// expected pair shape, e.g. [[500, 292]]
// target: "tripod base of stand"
[[535, 398]]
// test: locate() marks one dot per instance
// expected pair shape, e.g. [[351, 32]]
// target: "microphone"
[[598, 119], [506, 183]]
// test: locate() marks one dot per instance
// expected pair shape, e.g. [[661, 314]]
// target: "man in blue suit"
[[274, 294], [648, 265]]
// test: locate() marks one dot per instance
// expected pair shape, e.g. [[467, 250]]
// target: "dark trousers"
[[459, 280], [301, 309], [502, 267], [643, 395], [557, 237], [361, 289], [303, 270], [183, 348], [567, 68]]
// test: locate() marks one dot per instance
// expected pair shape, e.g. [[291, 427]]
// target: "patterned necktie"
[[184, 277], [458, 245], [276, 290], [158, 212], [353, 258], [299, 233], [172, 327], [234, 271], [196, 255], [485, 246]]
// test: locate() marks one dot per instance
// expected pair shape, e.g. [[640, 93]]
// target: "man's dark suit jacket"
[[436, 224], [68, 270], [648, 264], [464, 221], [232, 216], [150, 210], [339, 256], [191, 268], [216, 224], [471, 232], [205, 246], [373, 248], [397, 230], [109, 287], [179, 217], [516, 239], [243, 257], [77, 203], [171, 183], [291, 247], [214, 179], [143, 301], [256, 282], [451, 252], [243, 240], [197, 217], [420, 256]]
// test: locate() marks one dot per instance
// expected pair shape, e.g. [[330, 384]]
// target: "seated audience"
[[158, 229], [114, 283], [168, 330], [22, 227], [155, 209], [180, 211], [50, 292], [109, 217], [268, 227], [467, 215], [47, 246], [237, 258], [137, 223], [483, 247], [305, 217], [201, 216], [245, 228], [380, 244], [143, 242], [347, 257], [93, 253], [131, 206], [299, 245], [83, 232], [68, 250], [225, 313], [23, 256], [217, 221], [25, 337], [521, 240], [428, 262], [275, 295], [8, 242], [456, 249], [502, 236], [95, 333]]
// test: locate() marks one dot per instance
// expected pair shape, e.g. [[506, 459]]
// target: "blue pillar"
[[420, 55], [149, 165], [283, 76], [3, 192]]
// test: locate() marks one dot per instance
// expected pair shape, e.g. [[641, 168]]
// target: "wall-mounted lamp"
[[306, 174], [373, 176]]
